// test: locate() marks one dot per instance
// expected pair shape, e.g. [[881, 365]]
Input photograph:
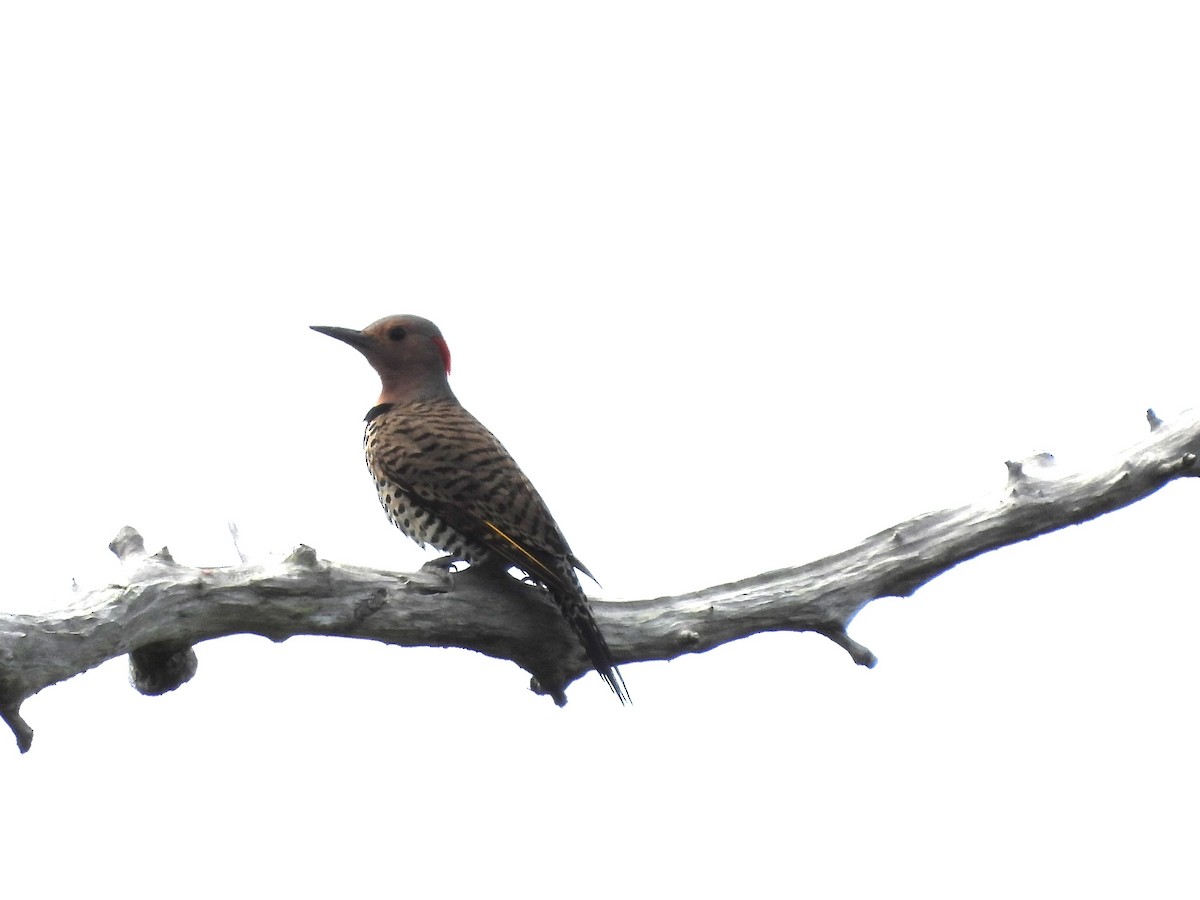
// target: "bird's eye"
[[396, 334]]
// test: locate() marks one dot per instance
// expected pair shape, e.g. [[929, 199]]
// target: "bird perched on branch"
[[446, 481]]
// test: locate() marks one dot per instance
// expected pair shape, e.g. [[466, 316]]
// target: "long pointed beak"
[[351, 336]]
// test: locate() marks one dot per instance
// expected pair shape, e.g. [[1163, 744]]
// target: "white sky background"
[[738, 285]]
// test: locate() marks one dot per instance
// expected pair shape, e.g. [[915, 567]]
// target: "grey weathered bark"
[[163, 608]]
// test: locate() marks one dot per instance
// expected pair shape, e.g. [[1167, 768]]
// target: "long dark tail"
[[578, 612]]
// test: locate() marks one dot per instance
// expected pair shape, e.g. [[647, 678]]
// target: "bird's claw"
[[442, 570]]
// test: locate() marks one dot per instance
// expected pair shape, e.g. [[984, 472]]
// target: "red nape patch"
[[445, 351]]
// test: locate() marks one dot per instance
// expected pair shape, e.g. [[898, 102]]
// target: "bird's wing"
[[479, 491]]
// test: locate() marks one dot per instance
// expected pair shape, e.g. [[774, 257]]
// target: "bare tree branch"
[[163, 608]]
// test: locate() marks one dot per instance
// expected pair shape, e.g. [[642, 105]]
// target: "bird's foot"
[[441, 564], [441, 569]]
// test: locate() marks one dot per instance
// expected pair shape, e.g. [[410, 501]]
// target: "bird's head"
[[408, 352]]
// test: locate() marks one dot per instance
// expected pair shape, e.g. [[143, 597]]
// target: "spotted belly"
[[425, 527]]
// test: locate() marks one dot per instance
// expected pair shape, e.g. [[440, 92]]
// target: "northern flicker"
[[446, 481]]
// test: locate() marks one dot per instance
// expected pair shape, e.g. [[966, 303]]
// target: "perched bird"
[[446, 481]]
